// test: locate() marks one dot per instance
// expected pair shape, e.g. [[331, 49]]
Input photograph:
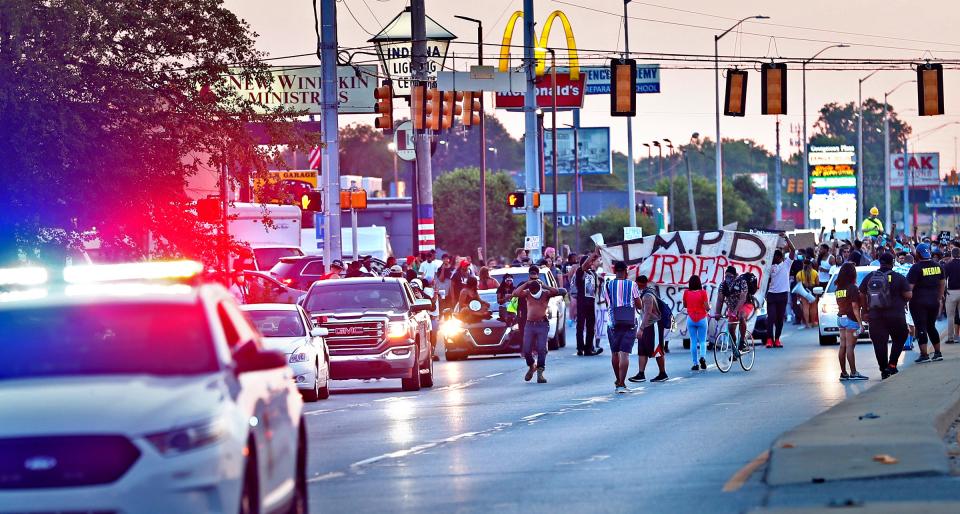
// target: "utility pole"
[[330, 128], [530, 147], [553, 132], [631, 179], [483, 143], [424, 169], [777, 180], [860, 163], [886, 164], [576, 176], [906, 191], [693, 210]]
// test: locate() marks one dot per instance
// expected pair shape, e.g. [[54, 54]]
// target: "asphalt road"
[[483, 440]]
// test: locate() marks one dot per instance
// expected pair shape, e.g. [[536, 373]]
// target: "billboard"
[[598, 79], [298, 88], [594, 155], [833, 185], [924, 170]]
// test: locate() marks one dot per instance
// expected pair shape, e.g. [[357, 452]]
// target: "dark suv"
[[299, 272]]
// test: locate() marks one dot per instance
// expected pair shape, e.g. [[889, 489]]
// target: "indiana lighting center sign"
[[299, 88], [833, 185]]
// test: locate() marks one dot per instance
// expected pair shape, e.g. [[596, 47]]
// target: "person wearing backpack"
[[928, 282], [884, 295], [650, 333], [734, 291], [622, 297]]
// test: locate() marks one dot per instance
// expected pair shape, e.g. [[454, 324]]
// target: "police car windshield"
[[105, 339], [330, 296]]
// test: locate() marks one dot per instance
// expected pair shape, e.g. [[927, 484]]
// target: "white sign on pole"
[[531, 243], [477, 80], [299, 88], [597, 239], [403, 141], [630, 233], [924, 170]]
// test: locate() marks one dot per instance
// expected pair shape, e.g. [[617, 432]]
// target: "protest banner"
[[670, 259]]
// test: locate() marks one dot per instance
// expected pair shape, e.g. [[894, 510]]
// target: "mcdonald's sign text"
[[569, 93]]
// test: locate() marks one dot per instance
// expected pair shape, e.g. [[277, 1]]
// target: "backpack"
[[878, 290], [666, 313], [623, 315], [751, 281]]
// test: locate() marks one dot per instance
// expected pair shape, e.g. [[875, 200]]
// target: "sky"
[[888, 29]]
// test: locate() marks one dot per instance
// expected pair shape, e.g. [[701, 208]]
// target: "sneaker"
[[858, 376], [777, 344], [844, 376], [892, 370], [885, 374], [530, 372], [696, 367], [540, 378], [937, 356], [922, 359], [662, 377], [598, 351], [769, 343], [579, 353], [621, 389], [639, 377], [703, 363], [951, 341]]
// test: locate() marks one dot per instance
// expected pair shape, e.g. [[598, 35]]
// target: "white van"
[[268, 242]]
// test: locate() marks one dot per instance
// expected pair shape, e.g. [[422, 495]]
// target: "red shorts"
[[744, 312]]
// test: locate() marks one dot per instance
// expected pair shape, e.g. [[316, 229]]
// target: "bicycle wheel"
[[723, 352], [749, 354]]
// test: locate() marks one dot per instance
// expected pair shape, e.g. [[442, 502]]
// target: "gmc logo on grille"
[[348, 331]]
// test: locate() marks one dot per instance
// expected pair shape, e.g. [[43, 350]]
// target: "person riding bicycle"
[[734, 292]]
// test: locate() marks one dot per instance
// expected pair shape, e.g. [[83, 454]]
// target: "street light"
[[670, 209], [716, 83], [396, 178], [886, 157], [860, 163], [806, 164]]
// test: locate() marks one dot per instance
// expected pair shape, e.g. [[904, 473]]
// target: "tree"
[[610, 223], [761, 208], [456, 204], [735, 207], [460, 148], [108, 106], [364, 151]]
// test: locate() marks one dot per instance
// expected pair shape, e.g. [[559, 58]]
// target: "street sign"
[[298, 87], [403, 141], [546, 203], [474, 81], [598, 79], [531, 243], [569, 93], [630, 233], [924, 170]]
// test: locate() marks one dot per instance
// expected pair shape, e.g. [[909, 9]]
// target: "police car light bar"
[[87, 274], [27, 276]]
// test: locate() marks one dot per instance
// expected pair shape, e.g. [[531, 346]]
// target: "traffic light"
[[773, 88], [418, 107], [433, 108], [515, 200], [791, 188], [208, 210], [471, 108], [451, 108], [311, 201], [623, 87], [384, 106], [536, 200], [930, 89], [734, 104], [353, 199]]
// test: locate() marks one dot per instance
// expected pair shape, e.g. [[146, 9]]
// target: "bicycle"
[[725, 350]]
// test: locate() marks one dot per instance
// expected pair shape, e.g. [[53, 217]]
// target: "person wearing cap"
[[952, 273], [336, 268], [395, 271], [926, 277], [886, 313], [872, 226], [536, 296], [459, 278]]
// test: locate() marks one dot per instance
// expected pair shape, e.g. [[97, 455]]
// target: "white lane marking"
[[327, 476], [493, 375], [533, 416], [592, 458]]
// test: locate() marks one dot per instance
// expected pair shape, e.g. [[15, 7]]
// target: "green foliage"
[[735, 206], [610, 223], [456, 203], [761, 207]]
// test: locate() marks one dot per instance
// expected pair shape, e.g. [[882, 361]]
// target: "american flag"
[[425, 230], [315, 155]]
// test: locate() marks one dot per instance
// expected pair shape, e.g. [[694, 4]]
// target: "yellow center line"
[[740, 477]]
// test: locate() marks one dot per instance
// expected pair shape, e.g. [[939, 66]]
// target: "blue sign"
[[598, 79]]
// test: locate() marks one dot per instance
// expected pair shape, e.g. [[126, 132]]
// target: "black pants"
[[886, 326], [795, 305], [925, 321], [586, 319], [776, 313]]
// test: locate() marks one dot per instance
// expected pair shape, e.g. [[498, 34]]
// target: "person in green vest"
[[872, 226]]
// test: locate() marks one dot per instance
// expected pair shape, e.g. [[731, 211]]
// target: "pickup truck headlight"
[[397, 330], [184, 439]]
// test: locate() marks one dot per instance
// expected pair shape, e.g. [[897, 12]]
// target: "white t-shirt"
[[429, 269], [780, 277]]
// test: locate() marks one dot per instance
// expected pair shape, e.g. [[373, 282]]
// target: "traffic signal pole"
[[424, 190], [631, 179], [778, 180], [331, 148], [531, 158]]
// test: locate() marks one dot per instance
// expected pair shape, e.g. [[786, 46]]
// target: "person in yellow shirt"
[[872, 226], [810, 279]]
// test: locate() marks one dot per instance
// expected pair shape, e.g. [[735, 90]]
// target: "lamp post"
[[886, 158], [670, 209], [483, 141], [860, 163], [553, 134], [716, 83], [660, 174], [804, 171], [631, 179], [576, 181]]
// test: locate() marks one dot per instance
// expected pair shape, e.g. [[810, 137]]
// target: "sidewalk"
[[894, 429]]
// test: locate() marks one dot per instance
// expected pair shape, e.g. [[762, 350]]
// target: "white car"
[[557, 308], [285, 328], [829, 329], [139, 397]]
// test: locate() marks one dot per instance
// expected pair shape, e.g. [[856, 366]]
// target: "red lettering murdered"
[[667, 265], [719, 269]]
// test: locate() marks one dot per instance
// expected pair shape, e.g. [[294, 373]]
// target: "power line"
[[345, 4]]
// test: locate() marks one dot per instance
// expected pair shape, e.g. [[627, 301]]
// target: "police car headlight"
[[451, 328], [187, 438]]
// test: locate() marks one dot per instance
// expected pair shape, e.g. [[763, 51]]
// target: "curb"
[[912, 412]]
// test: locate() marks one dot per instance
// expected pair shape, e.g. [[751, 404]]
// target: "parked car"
[[263, 288], [287, 328], [376, 329], [299, 272], [829, 331], [557, 310], [140, 397], [498, 335]]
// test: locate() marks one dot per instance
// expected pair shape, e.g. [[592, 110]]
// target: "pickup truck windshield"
[[347, 297]]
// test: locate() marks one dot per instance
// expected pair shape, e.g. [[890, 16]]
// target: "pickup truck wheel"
[[324, 391], [829, 340], [412, 383], [426, 380]]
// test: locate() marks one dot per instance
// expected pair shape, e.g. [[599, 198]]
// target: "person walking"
[[778, 290], [952, 272], [336, 268], [849, 322], [697, 303], [926, 277], [810, 279], [586, 280], [622, 296], [872, 226], [885, 294], [536, 296], [649, 333], [485, 281], [601, 315]]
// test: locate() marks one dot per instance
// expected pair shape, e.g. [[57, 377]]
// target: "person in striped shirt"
[[622, 297]]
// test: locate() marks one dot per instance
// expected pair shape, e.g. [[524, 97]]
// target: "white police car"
[[142, 397]]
